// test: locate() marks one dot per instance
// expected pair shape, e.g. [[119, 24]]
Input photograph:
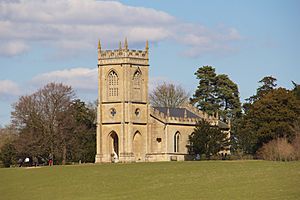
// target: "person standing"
[[50, 159], [20, 161], [35, 161]]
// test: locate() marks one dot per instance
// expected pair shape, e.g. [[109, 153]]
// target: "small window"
[[137, 112], [158, 140]]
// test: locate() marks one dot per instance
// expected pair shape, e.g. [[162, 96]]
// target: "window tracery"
[[137, 85], [113, 84]]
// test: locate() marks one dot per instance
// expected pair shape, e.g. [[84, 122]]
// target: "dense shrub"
[[207, 139], [277, 150], [7, 154]]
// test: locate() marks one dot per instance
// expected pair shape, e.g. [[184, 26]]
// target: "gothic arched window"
[[137, 80], [137, 85], [113, 84], [176, 141]]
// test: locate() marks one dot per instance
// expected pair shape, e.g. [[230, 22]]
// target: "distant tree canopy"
[[168, 95], [268, 83], [296, 90], [7, 154], [270, 114], [7, 149], [79, 126], [52, 121], [7, 135], [216, 93]]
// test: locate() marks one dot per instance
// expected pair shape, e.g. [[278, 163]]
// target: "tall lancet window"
[[176, 141], [137, 82], [113, 84]]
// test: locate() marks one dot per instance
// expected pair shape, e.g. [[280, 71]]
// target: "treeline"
[[269, 127], [266, 126], [50, 124]]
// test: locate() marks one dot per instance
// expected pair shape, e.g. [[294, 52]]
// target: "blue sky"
[[44, 41]]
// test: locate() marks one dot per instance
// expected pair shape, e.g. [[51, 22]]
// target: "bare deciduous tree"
[[168, 95], [37, 116], [277, 150]]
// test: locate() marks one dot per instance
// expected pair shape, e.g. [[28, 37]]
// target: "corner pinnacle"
[[147, 46], [99, 45], [126, 44]]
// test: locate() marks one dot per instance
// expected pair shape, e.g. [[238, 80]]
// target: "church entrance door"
[[114, 143], [137, 146]]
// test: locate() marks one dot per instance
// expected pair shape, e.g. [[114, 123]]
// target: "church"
[[129, 129]]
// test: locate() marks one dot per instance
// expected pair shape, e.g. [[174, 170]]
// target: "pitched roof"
[[180, 112], [176, 112]]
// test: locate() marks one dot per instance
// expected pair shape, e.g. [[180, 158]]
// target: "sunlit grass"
[[165, 180]]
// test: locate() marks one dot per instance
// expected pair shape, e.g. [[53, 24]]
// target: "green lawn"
[[165, 180]]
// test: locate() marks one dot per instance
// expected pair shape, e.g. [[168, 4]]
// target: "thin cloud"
[[81, 79], [75, 25], [13, 48], [9, 90]]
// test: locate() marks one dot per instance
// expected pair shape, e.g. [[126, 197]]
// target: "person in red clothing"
[[50, 159]]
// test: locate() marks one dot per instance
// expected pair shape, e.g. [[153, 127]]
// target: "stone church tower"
[[122, 103], [128, 127]]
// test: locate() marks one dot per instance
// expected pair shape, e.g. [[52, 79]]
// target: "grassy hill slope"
[[166, 180]]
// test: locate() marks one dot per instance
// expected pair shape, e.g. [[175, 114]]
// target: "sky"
[[44, 41]]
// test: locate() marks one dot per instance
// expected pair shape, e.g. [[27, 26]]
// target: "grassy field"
[[166, 180]]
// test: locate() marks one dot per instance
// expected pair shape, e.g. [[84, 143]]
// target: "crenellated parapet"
[[182, 120], [123, 55], [166, 118], [157, 114], [170, 119], [212, 119]]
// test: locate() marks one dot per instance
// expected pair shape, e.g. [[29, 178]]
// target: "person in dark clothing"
[[20, 162], [35, 161]]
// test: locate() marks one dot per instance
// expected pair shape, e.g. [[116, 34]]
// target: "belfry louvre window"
[[113, 84], [137, 80], [136, 85]]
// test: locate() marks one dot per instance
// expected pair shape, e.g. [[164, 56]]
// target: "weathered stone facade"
[[126, 123]]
